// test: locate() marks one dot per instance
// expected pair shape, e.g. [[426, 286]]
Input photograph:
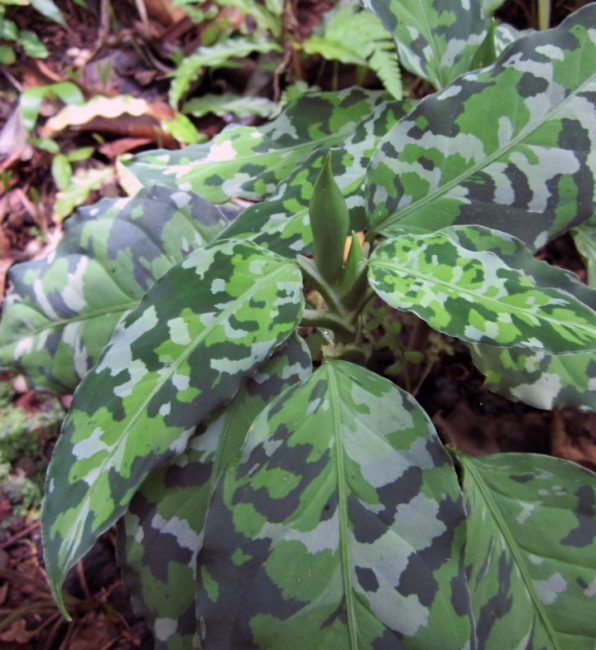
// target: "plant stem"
[[320, 318], [543, 14]]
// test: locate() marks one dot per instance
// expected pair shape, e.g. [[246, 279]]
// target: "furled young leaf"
[[162, 531], [249, 162], [220, 54], [281, 223], [481, 286], [584, 237], [181, 354], [340, 526], [531, 551], [545, 381], [436, 39], [61, 310], [506, 147]]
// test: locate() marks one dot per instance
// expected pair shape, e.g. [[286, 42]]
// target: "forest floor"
[[112, 52]]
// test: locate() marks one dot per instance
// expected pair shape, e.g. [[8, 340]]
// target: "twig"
[[22, 533]]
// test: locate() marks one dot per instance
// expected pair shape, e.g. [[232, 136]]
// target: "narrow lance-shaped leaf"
[[531, 551], [162, 531], [340, 525], [62, 309], [508, 147], [435, 39], [181, 354], [461, 282], [249, 162]]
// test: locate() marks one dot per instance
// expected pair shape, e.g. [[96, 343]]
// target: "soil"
[[464, 412]]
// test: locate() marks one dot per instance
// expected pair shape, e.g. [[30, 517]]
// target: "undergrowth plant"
[[262, 502]]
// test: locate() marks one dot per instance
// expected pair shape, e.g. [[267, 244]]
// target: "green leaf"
[[584, 237], [49, 10], [249, 162], [436, 39], [483, 286], [182, 129], [340, 524], [357, 37], [212, 56], [62, 309], [32, 45], [507, 147], [180, 355], [531, 551], [61, 171], [161, 533], [228, 103], [544, 381]]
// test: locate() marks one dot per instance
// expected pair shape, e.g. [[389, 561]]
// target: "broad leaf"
[[584, 237], [483, 287], [435, 39], [162, 531], [531, 551], [62, 309], [181, 354], [340, 524], [249, 162], [545, 381], [507, 147]]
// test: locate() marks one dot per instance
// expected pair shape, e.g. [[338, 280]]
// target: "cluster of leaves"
[[262, 502]]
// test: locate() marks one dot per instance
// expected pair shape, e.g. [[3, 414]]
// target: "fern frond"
[[354, 36]]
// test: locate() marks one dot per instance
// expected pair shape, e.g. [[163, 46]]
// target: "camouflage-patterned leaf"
[[584, 237], [436, 39], [544, 381], [281, 223], [181, 354], [531, 551], [339, 527], [162, 531], [506, 147], [482, 286], [62, 309], [249, 162]]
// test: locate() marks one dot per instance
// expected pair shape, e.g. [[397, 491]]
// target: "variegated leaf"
[[340, 526], [181, 354], [584, 237], [281, 223], [249, 162], [162, 531], [62, 309], [509, 147], [531, 551], [436, 39], [544, 381], [483, 286]]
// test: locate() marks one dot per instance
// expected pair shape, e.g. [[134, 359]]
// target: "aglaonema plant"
[[266, 501]]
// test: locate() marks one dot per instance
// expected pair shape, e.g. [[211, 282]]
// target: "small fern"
[[354, 36], [218, 55]]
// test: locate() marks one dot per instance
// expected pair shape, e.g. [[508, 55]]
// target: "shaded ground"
[[474, 419]]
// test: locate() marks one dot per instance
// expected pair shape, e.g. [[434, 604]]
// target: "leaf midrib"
[[476, 299], [342, 498], [122, 439], [513, 548], [395, 217]]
